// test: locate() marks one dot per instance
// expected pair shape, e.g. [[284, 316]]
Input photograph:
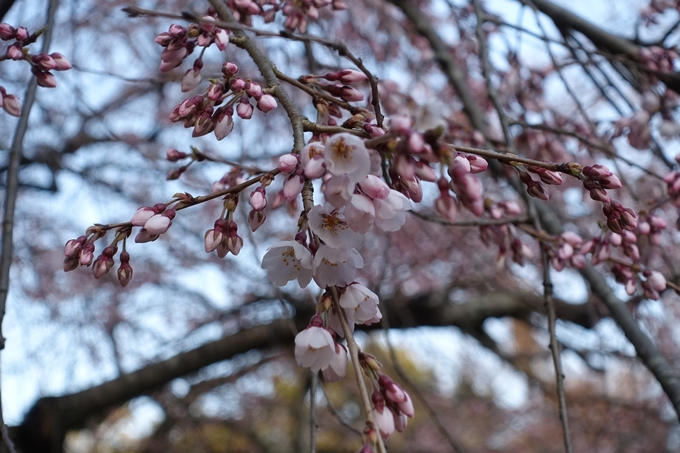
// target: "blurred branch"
[[12, 191], [645, 348], [5, 6], [43, 429]]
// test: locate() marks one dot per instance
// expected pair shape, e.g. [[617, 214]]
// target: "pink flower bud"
[[565, 251], [644, 228], [611, 182], [477, 164], [125, 270], [14, 52], [656, 280], [74, 246], [173, 156], [103, 264], [87, 254], [510, 207], [7, 32], [551, 177], [71, 263], [22, 34], [221, 38], [142, 216], [212, 240], [416, 142], [229, 69], [144, 236], [253, 89], [459, 165], [244, 109], [256, 219], [12, 105], [44, 61], [571, 238], [191, 80], [349, 76], [288, 163], [177, 31], [538, 190], [61, 63], [350, 94], [46, 80], [293, 187], [164, 39], [266, 103], [159, 223], [400, 124], [223, 126], [237, 84], [374, 187], [258, 199]]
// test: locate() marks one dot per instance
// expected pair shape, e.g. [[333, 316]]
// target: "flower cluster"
[[80, 252], [179, 42], [41, 64], [206, 114]]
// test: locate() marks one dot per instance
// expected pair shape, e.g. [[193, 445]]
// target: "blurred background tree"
[[195, 354]]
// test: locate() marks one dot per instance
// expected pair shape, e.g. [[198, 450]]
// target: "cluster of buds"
[[205, 114], [154, 220], [598, 178], [658, 59], [503, 235], [258, 201], [463, 182], [299, 12], [652, 226], [80, 252], [179, 42], [619, 218], [337, 84], [41, 64], [392, 406], [224, 237], [569, 251], [535, 188]]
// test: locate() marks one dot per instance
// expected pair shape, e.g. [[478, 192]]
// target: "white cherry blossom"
[[360, 303], [360, 213], [332, 228], [286, 261], [345, 154], [390, 213], [314, 347], [337, 369], [336, 266], [338, 190]]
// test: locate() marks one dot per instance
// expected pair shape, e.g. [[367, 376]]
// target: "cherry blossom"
[[286, 261], [314, 346], [336, 266], [337, 368], [390, 213], [332, 228], [360, 213], [360, 304], [346, 154]]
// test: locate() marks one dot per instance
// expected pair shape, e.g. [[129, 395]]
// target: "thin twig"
[[11, 193], [337, 415], [555, 347], [312, 411]]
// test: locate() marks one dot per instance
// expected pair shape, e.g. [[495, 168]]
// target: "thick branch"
[[48, 421]]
